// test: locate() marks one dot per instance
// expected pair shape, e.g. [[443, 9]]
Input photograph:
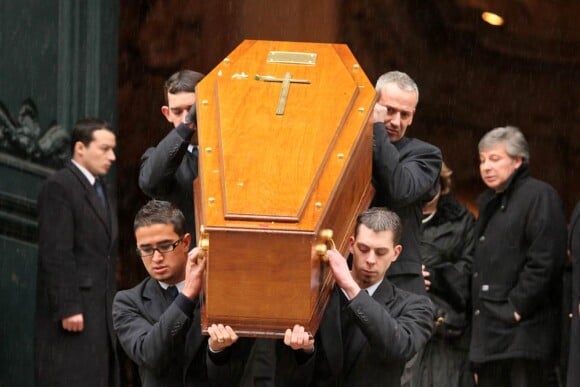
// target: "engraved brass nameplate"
[[303, 58]]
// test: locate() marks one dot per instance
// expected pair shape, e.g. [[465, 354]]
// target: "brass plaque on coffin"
[[304, 58], [268, 183]]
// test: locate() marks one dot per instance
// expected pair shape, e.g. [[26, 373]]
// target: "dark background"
[[110, 59], [472, 77]]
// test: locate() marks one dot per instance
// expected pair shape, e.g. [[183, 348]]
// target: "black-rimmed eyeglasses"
[[165, 247]]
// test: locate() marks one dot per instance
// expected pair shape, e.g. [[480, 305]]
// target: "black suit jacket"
[[405, 176], [573, 379], [76, 274], [387, 330], [164, 339], [168, 170]]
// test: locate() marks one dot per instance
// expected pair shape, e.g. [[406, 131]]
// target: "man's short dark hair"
[[160, 212], [380, 219], [183, 81], [84, 128]]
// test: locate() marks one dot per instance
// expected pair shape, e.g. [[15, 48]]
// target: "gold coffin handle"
[[203, 242], [326, 244]]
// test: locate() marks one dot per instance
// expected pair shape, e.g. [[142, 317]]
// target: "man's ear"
[[397, 251], [79, 149], [351, 244], [165, 112], [187, 240]]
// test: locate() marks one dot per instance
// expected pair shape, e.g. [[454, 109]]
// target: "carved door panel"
[[59, 63]]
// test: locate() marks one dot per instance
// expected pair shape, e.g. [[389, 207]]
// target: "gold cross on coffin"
[[285, 88]]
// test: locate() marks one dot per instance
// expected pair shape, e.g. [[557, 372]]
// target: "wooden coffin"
[[278, 163]]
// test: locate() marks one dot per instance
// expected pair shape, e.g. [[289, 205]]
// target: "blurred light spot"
[[492, 18]]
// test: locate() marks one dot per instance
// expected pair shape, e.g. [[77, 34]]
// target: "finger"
[[288, 337], [297, 334], [200, 262], [232, 334], [194, 252], [212, 332], [220, 333]]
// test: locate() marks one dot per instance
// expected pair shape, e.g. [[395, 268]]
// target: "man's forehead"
[[498, 148], [156, 231], [393, 96], [104, 135], [181, 99], [374, 239]]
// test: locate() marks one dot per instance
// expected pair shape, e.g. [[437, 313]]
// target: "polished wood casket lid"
[[285, 151]]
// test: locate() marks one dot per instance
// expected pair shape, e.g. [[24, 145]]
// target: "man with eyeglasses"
[[158, 321]]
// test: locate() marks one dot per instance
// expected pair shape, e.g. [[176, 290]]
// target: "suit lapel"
[[92, 198], [194, 338], [330, 333], [154, 301], [358, 340]]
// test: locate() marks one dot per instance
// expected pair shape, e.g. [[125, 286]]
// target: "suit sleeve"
[[58, 264], [546, 231], [159, 164], [575, 253], [148, 343], [393, 338], [408, 180], [226, 368]]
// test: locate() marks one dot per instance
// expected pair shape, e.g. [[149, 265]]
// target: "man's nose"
[[396, 119], [157, 256], [371, 258], [183, 114], [112, 155]]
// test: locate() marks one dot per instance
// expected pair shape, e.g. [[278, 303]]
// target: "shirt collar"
[[85, 172], [370, 290], [179, 285]]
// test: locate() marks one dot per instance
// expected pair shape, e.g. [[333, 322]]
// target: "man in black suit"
[[75, 342], [370, 328], [573, 379], [168, 170], [158, 321], [405, 171]]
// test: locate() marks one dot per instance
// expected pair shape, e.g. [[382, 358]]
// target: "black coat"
[[76, 274], [574, 358], [517, 266], [387, 330], [447, 243], [449, 237], [405, 175], [164, 339], [168, 171]]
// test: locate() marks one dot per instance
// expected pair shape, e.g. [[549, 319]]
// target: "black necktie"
[[171, 293], [100, 193]]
